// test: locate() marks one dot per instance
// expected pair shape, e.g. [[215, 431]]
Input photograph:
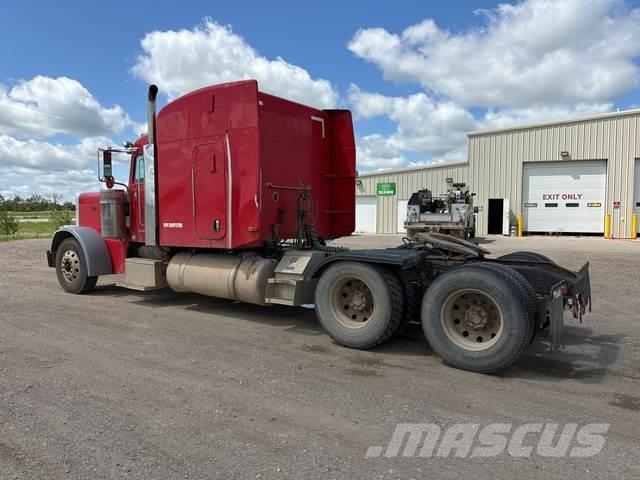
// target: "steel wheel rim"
[[351, 302], [472, 319], [70, 266]]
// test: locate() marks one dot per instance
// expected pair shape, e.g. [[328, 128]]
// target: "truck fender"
[[93, 246], [391, 258]]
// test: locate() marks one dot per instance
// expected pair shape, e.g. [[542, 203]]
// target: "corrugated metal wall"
[[496, 161], [407, 182]]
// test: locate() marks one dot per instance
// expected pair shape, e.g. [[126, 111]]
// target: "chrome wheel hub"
[[70, 265]]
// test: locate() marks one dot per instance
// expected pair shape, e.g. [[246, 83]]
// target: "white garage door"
[[636, 196], [564, 196], [366, 214], [402, 215]]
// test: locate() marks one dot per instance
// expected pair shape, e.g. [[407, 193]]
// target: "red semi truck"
[[233, 194]]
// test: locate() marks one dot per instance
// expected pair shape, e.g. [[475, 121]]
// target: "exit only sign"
[[388, 188]]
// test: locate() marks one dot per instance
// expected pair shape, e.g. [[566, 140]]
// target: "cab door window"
[[138, 174]]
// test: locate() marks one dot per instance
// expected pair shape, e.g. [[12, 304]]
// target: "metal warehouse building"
[[562, 176]]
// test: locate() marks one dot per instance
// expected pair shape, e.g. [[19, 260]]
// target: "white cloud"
[[535, 61], [44, 106], [508, 117], [423, 124], [377, 152], [33, 166], [537, 52], [180, 61], [434, 130]]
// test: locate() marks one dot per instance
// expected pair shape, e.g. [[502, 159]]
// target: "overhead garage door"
[[564, 196], [402, 215], [366, 214]]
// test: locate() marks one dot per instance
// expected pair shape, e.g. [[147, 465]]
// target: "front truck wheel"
[[71, 268], [358, 305], [476, 320]]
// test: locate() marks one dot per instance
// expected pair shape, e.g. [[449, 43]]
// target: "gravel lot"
[[119, 384]]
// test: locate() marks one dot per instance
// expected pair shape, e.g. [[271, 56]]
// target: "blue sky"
[[417, 74], [97, 42]]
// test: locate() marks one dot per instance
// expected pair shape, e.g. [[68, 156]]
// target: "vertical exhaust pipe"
[[151, 113], [151, 166]]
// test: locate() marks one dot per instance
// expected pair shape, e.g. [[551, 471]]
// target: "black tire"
[[509, 300], [71, 268], [412, 297], [526, 257], [346, 324], [472, 233]]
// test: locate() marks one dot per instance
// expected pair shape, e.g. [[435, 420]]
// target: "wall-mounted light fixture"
[[358, 182], [564, 154]]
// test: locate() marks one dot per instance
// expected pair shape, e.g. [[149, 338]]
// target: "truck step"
[[292, 284], [144, 274]]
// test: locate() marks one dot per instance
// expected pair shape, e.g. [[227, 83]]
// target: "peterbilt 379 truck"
[[234, 193]]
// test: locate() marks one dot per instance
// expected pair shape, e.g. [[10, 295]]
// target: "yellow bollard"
[[634, 226], [607, 225], [519, 224]]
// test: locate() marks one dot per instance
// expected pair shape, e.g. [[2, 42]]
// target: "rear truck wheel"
[[71, 268], [358, 305], [519, 282], [476, 319], [526, 257]]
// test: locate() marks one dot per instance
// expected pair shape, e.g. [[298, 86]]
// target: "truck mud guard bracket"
[[93, 246], [556, 319]]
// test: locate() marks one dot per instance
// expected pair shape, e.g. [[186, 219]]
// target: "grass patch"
[[36, 228], [33, 215], [24, 236], [41, 224], [31, 230]]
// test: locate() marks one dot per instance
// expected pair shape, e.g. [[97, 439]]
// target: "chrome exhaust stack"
[[151, 163], [151, 113]]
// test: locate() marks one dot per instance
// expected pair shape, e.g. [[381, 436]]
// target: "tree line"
[[35, 203]]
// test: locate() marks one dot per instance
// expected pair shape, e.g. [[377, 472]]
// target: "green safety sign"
[[388, 188]]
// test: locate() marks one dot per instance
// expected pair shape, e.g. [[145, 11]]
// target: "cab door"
[[209, 180], [136, 203]]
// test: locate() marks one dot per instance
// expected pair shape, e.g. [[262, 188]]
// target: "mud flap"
[[556, 317]]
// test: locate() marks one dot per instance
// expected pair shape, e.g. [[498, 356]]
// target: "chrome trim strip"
[[150, 226], [229, 191]]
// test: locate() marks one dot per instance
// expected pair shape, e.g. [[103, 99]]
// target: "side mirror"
[[107, 170]]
